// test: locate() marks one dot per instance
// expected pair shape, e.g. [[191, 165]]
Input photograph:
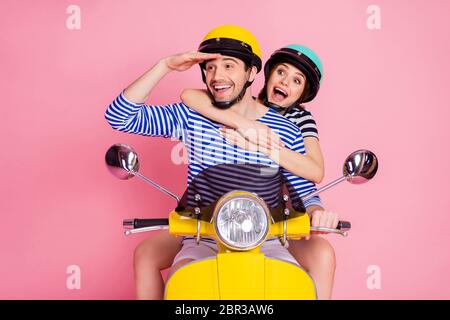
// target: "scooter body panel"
[[240, 276], [197, 280]]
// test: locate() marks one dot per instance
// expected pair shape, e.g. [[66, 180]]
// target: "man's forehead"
[[225, 58]]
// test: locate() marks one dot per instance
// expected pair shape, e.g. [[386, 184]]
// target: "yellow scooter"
[[240, 206]]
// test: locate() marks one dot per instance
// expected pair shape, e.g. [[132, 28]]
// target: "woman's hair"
[[262, 96]]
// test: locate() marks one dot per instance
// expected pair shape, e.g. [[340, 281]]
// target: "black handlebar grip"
[[142, 223], [344, 225]]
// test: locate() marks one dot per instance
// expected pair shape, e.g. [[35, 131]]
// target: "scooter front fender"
[[240, 276]]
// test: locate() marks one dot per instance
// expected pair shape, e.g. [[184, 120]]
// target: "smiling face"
[[285, 85], [226, 77]]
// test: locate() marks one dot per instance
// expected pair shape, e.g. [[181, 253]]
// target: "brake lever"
[[329, 230], [146, 229]]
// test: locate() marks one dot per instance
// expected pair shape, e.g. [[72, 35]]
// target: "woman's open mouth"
[[278, 95]]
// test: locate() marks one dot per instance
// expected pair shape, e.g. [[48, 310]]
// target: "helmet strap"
[[281, 109], [229, 104], [226, 104], [272, 106]]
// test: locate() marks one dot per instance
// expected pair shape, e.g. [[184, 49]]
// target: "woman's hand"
[[235, 138], [324, 219], [183, 61], [259, 134]]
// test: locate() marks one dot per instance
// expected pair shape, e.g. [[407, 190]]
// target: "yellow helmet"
[[233, 41]]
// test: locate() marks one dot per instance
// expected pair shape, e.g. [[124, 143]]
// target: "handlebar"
[[342, 228], [144, 225], [344, 225]]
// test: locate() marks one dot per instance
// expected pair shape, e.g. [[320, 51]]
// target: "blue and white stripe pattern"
[[201, 136], [304, 120]]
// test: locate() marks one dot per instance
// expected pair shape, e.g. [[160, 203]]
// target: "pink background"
[[385, 90]]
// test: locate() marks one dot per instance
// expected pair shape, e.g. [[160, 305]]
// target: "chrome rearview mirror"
[[359, 167], [123, 163]]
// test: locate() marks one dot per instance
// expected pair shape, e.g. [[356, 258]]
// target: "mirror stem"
[[157, 186], [325, 187]]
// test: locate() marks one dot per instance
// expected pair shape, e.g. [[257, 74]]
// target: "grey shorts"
[[272, 248]]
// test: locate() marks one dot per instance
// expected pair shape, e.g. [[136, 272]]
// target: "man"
[[230, 59]]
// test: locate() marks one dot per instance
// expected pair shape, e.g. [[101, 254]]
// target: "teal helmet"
[[304, 59]]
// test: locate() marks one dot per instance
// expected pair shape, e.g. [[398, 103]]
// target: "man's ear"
[[253, 72]]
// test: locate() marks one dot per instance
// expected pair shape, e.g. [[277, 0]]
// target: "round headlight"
[[241, 220]]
